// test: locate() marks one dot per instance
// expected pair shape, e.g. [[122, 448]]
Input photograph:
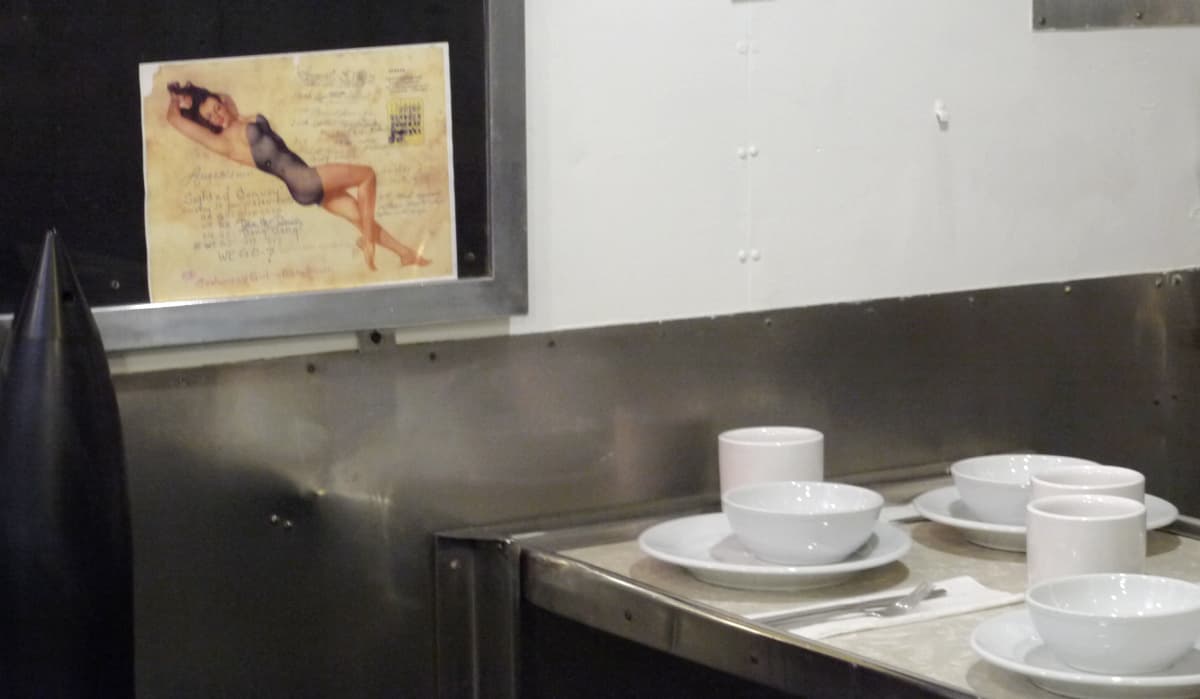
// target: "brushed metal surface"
[[770, 657], [283, 510], [1110, 14]]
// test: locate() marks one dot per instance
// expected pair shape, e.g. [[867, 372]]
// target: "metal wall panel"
[[1111, 14], [283, 509]]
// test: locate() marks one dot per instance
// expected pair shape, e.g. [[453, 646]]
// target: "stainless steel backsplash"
[[282, 509]]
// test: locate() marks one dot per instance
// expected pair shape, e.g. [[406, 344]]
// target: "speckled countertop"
[[938, 648]]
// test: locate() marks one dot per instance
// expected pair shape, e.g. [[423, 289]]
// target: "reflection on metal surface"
[[1109, 14], [368, 454], [478, 583], [725, 642]]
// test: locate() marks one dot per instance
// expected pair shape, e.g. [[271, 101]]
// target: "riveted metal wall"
[[283, 509], [1113, 14]]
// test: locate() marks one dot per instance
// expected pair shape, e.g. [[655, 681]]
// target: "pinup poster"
[[298, 172]]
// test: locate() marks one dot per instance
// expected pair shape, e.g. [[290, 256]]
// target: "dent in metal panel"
[[1110, 14]]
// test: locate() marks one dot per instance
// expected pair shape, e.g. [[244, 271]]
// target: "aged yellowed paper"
[[298, 172]]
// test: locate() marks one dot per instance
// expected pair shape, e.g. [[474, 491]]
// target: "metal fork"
[[896, 607]]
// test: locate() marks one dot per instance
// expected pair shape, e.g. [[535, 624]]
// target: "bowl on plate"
[[1115, 623], [802, 522], [995, 488]]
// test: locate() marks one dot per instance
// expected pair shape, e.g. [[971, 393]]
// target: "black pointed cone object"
[[66, 574]]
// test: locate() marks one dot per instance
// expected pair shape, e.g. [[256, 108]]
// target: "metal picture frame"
[[502, 292]]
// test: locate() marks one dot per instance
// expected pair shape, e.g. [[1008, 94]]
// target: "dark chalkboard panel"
[[70, 114]]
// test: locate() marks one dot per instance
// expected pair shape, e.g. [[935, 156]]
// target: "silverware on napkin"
[[784, 619]]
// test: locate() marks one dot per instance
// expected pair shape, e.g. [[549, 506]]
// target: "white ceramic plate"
[[944, 506], [707, 547], [1010, 641]]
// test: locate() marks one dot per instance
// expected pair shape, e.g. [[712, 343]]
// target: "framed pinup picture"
[[300, 172], [216, 177]]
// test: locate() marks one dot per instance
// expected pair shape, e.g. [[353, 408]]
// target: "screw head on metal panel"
[[1042, 21], [1067, 289], [455, 564], [753, 151], [741, 47], [741, 152], [941, 113], [741, 255], [755, 255], [1138, 15], [1176, 280]]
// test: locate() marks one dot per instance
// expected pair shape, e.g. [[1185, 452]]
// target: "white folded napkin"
[[963, 594], [899, 513]]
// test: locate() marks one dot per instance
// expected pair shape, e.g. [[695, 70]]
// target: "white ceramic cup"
[[1080, 534], [1088, 479], [761, 454]]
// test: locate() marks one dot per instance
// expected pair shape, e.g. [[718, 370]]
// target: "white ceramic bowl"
[[802, 522], [995, 488], [1116, 624]]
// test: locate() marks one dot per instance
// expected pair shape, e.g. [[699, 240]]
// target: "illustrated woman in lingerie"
[[213, 121]]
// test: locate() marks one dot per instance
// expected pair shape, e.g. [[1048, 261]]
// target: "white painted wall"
[[1067, 155]]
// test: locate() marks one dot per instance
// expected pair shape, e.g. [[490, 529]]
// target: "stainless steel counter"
[[597, 576]]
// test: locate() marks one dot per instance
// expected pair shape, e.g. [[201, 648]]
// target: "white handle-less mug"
[[759, 454], [1079, 534], [1088, 479]]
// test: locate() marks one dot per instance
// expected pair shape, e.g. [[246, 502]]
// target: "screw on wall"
[[941, 114], [370, 340]]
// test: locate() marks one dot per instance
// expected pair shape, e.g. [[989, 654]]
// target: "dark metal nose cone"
[[54, 305], [66, 590]]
